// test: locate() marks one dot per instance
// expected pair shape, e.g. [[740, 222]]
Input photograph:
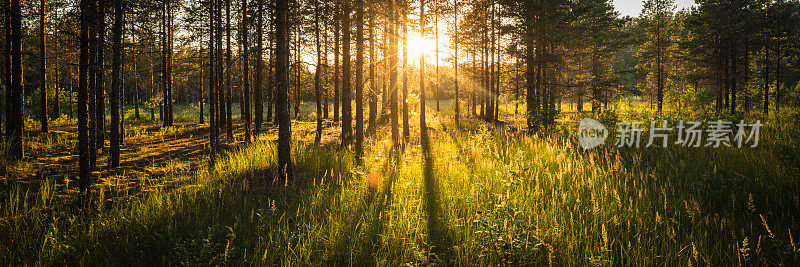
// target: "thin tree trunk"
[[359, 79], [392, 98], [337, 42], [457, 98], [92, 101], [281, 95], [245, 102], [201, 101], [116, 83], [259, 71], [777, 78], [271, 75], [298, 71], [347, 117], [530, 72], [423, 127], [437, 80], [228, 100], [100, 111], [212, 82], [373, 99], [42, 69], [317, 74], [406, 127], [766, 76], [87, 22]]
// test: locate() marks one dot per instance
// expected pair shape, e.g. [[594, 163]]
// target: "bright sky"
[[633, 7]]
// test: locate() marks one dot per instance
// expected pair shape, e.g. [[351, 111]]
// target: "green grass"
[[486, 196]]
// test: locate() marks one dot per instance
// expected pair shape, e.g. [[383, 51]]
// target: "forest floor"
[[480, 194]]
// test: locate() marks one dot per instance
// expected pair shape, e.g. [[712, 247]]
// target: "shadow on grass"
[[375, 203], [438, 232]]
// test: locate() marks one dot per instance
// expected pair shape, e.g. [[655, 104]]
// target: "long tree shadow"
[[438, 237], [374, 204]]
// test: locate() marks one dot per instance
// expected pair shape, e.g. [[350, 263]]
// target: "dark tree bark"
[[93, 69], [282, 92], [373, 88], [6, 61], [213, 131], [392, 54], [406, 127], [166, 60], [227, 102], [116, 82], [778, 78], [56, 97], [423, 126], [457, 99], [87, 22], [317, 74], [222, 94], [14, 93], [437, 79], [359, 78], [270, 75], [347, 116], [326, 74], [99, 90], [733, 79], [259, 71], [202, 90], [336, 49], [297, 69], [530, 73], [245, 102], [42, 69], [766, 76]]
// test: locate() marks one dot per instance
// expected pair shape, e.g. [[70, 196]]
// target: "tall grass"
[[486, 196]]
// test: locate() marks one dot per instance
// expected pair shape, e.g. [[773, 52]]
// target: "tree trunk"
[[457, 97], [92, 102], [347, 117], [259, 71], [317, 75], [530, 73], [373, 98], [423, 127], [245, 102], [14, 93], [87, 22], [777, 78], [359, 79], [201, 101], [42, 70], [100, 109], [337, 42], [392, 98], [282, 92], [228, 99], [734, 62], [437, 80], [116, 83], [212, 82], [406, 127], [766, 76]]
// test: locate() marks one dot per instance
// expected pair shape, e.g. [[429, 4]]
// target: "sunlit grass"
[[494, 196]]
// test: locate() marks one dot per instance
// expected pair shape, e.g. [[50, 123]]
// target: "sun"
[[418, 46]]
